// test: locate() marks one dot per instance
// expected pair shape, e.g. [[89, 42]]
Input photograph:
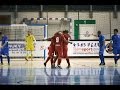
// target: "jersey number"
[[57, 39]]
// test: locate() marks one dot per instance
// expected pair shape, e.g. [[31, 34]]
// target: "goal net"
[[16, 34]]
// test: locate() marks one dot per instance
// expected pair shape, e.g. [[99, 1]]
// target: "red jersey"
[[59, 39], [67, 37], [52, 42], [51, 48]]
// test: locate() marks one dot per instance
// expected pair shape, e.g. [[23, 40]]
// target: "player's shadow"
[[116, 77], [101, 76], [4, 75], [57, 76]]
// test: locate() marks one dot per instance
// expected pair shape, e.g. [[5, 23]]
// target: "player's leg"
[[59, 62], [52, 62], [65, 50], [31, 55], [115, 59], [55, 59], [115, 55], [101, 55], [52, 56], [8, 58], [1, 58], [28, 49], [49, 56], [60, 52], [68, 61], [32, 48], [119, 54], [6, 52], [27, 55]]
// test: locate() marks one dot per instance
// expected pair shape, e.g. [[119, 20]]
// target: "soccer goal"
[[16, 34]]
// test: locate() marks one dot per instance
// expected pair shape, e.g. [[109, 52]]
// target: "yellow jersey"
[[30, 40]]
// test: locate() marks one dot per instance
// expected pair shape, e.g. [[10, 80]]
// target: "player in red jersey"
[[59, 39], [65, 47], [51, 50]]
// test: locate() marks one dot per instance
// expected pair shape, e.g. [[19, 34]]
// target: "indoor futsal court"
[[84, 41]]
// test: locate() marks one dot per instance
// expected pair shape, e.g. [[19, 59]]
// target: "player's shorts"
[[59, 51], [116, 51], [30, 47], [4, 51]]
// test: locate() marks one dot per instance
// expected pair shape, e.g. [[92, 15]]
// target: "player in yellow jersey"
[[29, 45]]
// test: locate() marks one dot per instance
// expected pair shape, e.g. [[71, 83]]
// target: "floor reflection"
[[73, 76]]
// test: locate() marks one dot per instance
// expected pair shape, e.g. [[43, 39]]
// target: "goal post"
[[16, 34]]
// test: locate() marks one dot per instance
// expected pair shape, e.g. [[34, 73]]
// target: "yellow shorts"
[[30, 47]]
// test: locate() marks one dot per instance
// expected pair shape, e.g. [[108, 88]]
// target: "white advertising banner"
[[77, 48], [85, 48], [17, 48]]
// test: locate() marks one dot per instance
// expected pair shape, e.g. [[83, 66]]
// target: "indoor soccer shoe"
[[102, 64], [59, 67], [26, 59], [45, 64], [68, 66]]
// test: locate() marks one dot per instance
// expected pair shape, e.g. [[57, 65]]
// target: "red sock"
[[68, 61], [59, 61], [47, 59]]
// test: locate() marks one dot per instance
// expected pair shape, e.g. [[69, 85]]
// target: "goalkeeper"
[[30, 42]]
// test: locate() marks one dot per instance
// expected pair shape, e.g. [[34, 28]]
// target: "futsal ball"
[[108, 50]]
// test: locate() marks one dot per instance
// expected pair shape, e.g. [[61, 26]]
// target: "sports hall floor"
[[83, 71]]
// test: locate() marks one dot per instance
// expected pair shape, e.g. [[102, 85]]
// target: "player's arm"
[[94, 35], [34, 39], [104, 42], [66, 41], [4, 44], [110, 45], [69, 39], [111, 41], [6, 41], [25, 40]]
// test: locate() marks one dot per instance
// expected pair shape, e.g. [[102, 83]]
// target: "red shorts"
[[59, 51]]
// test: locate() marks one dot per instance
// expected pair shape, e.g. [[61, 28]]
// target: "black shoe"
[[68, 66], [26, 59], [102, 64], [45, 64], [116, 62], [59, 67]]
